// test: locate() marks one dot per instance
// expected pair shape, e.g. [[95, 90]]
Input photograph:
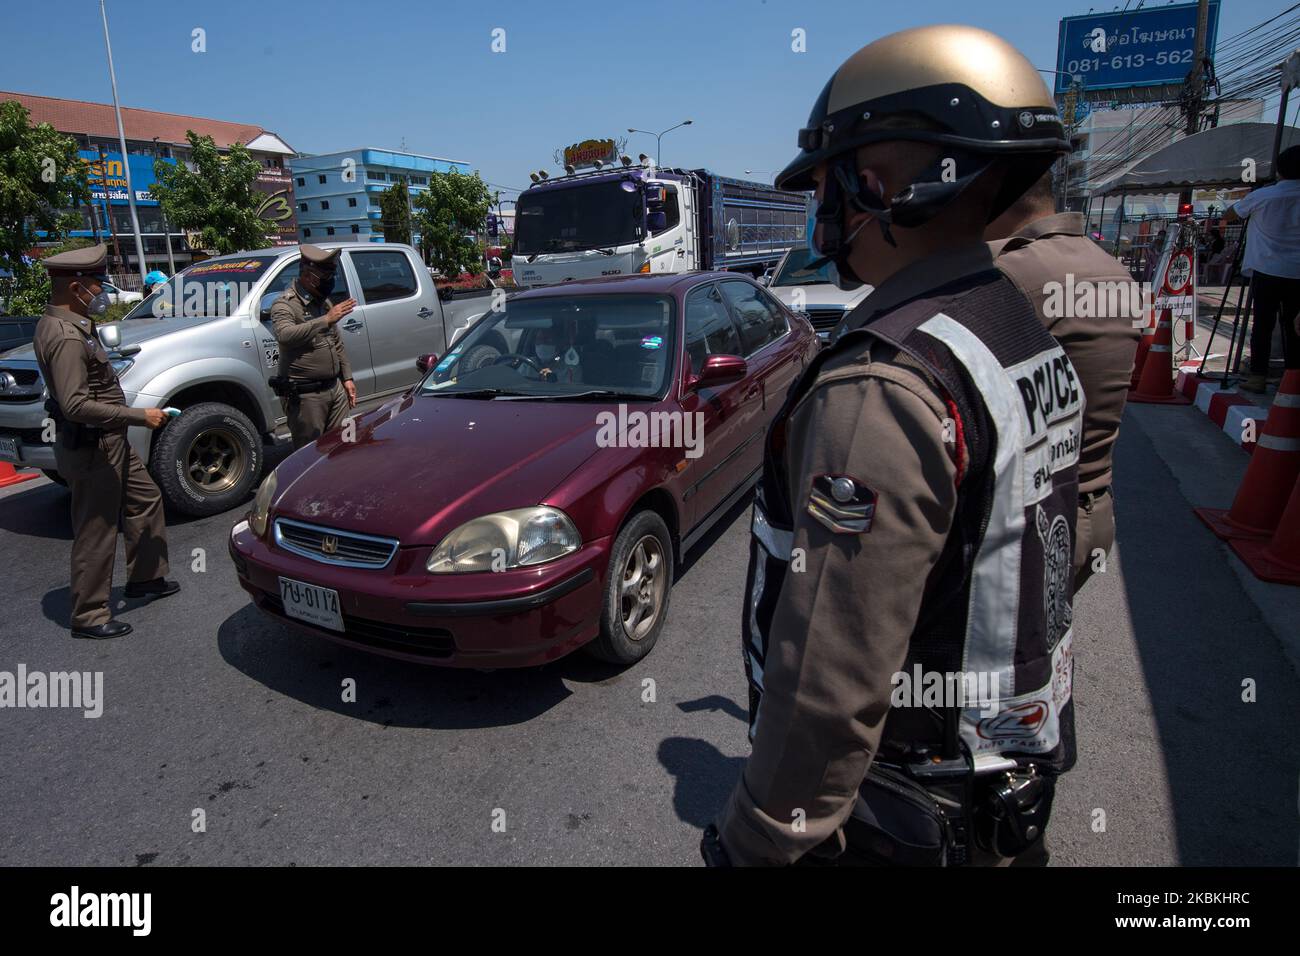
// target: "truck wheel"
[[637, 591], [479, 356], [208, 460]]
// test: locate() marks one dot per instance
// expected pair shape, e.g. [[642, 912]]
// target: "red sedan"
[[535, 492]]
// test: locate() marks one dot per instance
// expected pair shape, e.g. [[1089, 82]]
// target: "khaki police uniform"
[[108, 481], [1101, 348], [880, 420], [311, 351]]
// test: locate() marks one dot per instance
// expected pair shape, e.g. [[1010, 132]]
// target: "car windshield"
[[204, 290], [563, 346], [572, 218], [797, 262]]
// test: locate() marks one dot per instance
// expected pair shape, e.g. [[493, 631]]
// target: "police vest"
[[997, 606]]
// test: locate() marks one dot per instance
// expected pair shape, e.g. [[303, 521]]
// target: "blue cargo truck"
[[645, 219]]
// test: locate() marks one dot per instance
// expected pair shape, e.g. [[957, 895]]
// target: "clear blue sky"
[[335, 74]]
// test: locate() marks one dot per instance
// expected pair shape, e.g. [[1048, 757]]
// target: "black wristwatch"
[[711, 848]]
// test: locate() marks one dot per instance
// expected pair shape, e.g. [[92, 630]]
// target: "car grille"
[[331, 546], [431, 642], [27, 385], [824, 320]]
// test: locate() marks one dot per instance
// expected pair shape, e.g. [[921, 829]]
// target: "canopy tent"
[[1203, 161]]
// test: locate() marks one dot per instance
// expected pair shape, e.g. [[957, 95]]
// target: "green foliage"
[[217, 198], [454, 206], [396, 209], [42, 181]]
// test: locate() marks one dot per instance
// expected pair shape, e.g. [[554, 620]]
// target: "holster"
[[72, 435]]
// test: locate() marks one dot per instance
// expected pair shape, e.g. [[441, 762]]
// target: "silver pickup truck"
[[204, 344]]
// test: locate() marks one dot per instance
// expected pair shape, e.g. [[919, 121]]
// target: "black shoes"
[[101, 631], [158, 587]]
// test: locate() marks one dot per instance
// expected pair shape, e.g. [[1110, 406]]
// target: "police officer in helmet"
[[906, 629]]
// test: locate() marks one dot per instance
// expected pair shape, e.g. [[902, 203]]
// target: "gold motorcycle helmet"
[[960, 87]]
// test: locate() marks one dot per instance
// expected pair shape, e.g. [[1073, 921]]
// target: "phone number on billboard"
[[1133, 61]]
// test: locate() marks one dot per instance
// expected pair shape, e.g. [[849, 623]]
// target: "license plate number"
[[8, 448], [315, 605]]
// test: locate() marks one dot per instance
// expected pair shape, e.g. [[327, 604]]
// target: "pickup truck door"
[[354, 340], [401, 312]]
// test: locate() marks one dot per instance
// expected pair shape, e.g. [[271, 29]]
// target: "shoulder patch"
[[842, 504]]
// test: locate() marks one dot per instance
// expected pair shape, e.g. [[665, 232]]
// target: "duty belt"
[[291, 388]]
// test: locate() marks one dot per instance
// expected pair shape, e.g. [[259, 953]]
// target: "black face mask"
[[325, 285]]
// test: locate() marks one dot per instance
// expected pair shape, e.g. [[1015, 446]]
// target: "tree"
[[217, 198], [42, 182], [453, 207], [394, 203]]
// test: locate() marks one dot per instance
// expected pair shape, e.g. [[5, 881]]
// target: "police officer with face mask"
[[109, 483], [907, 619]]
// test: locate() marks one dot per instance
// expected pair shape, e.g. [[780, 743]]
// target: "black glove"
[[711, 848]]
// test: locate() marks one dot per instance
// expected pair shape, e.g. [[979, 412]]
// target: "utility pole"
[[1194, 85], [121, 138]]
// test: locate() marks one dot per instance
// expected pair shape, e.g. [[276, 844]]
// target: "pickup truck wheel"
[[478, 357], [208, 460], [637, 591]]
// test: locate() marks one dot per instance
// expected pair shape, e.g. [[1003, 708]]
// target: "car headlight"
[[262, 505], [508, 539]]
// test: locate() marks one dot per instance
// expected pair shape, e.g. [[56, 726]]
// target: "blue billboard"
[[108, 178], [1151, 47]]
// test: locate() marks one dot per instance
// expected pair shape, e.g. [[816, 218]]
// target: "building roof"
[[97, 119]]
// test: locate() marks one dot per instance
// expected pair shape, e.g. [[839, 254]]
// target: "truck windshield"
[[795, 264], [205, 290], [592, 216]]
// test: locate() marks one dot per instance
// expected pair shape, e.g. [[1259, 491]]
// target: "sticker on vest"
[[843, 505], [1058, 575]]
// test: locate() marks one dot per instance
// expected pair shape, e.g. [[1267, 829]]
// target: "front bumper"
[[518, 618]]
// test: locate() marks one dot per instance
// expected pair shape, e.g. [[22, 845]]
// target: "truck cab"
[[203, 343]]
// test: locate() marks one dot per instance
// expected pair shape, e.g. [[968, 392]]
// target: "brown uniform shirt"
[[77, 372], [1101, 348], [310, 348], [843, 624]]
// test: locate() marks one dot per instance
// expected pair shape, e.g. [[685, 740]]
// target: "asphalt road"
[[210, 706]]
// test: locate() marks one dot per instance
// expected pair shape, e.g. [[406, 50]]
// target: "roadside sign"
[[1155, 46]]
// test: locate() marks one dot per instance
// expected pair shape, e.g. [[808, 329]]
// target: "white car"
[[813, 294], [118, 296]]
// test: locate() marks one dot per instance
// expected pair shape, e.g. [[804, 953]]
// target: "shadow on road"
[[393, 692], [703, 778], [41, 512], [1230, 764]]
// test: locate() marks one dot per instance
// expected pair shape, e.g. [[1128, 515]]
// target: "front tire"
[[208, 460], [637, 592]]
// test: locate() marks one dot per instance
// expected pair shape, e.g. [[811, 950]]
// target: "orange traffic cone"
[[1276, 560], [1144, 345], [9, 475], [1274, 466], [1156, 384]]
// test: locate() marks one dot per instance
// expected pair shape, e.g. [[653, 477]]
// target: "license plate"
[[315, 605], [8, 448]]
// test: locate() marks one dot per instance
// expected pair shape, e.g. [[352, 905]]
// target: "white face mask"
[[545, 352]]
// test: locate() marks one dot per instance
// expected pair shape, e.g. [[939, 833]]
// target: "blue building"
[[337, 194]]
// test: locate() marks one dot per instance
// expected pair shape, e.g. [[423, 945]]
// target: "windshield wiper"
[[473, 393], [571, 396]]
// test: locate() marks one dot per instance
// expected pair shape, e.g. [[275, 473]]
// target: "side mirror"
[[720, 370], [110, 336], [655, 221], [426, 362]]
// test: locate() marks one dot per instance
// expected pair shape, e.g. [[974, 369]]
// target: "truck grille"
[[331, 546], [18, 384], [824, 320]]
